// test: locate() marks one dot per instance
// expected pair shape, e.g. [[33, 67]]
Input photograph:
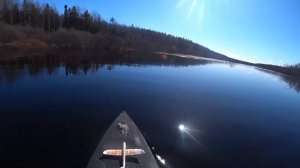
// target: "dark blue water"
[[239, 116]]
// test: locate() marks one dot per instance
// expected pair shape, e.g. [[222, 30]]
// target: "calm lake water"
[[239, 116]]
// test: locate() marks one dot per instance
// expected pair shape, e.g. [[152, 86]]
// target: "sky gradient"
[[265, 31]]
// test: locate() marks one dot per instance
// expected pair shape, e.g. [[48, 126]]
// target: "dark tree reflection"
[[76, 62], [10, 71], [293, 82]]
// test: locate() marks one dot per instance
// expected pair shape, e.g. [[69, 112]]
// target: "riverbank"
[[292, 70]]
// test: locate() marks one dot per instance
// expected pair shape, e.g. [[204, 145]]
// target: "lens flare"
[[195, 10], [181, 3], [191, 10]]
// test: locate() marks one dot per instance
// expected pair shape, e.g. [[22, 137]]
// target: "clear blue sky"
[[265, 31]]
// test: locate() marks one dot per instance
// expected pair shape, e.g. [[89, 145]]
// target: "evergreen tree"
[[15, 14], [73, 17], [66, 20], [34, 15], [86, 20], [6, 15], [47, 19], [25, 13], [112, 20]]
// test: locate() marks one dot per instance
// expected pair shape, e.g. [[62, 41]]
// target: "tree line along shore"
[[29, 27]]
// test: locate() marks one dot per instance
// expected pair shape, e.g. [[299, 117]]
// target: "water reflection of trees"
[[292, 82], [10, 72], [82, 62]]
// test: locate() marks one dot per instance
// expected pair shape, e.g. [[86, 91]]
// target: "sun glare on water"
[[181, 127], [185, 130]]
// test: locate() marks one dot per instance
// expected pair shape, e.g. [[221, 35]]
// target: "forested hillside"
[[82, 30], [28, 26]]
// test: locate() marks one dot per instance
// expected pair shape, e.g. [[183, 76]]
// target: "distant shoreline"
[[271, 68], [44, 31]]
